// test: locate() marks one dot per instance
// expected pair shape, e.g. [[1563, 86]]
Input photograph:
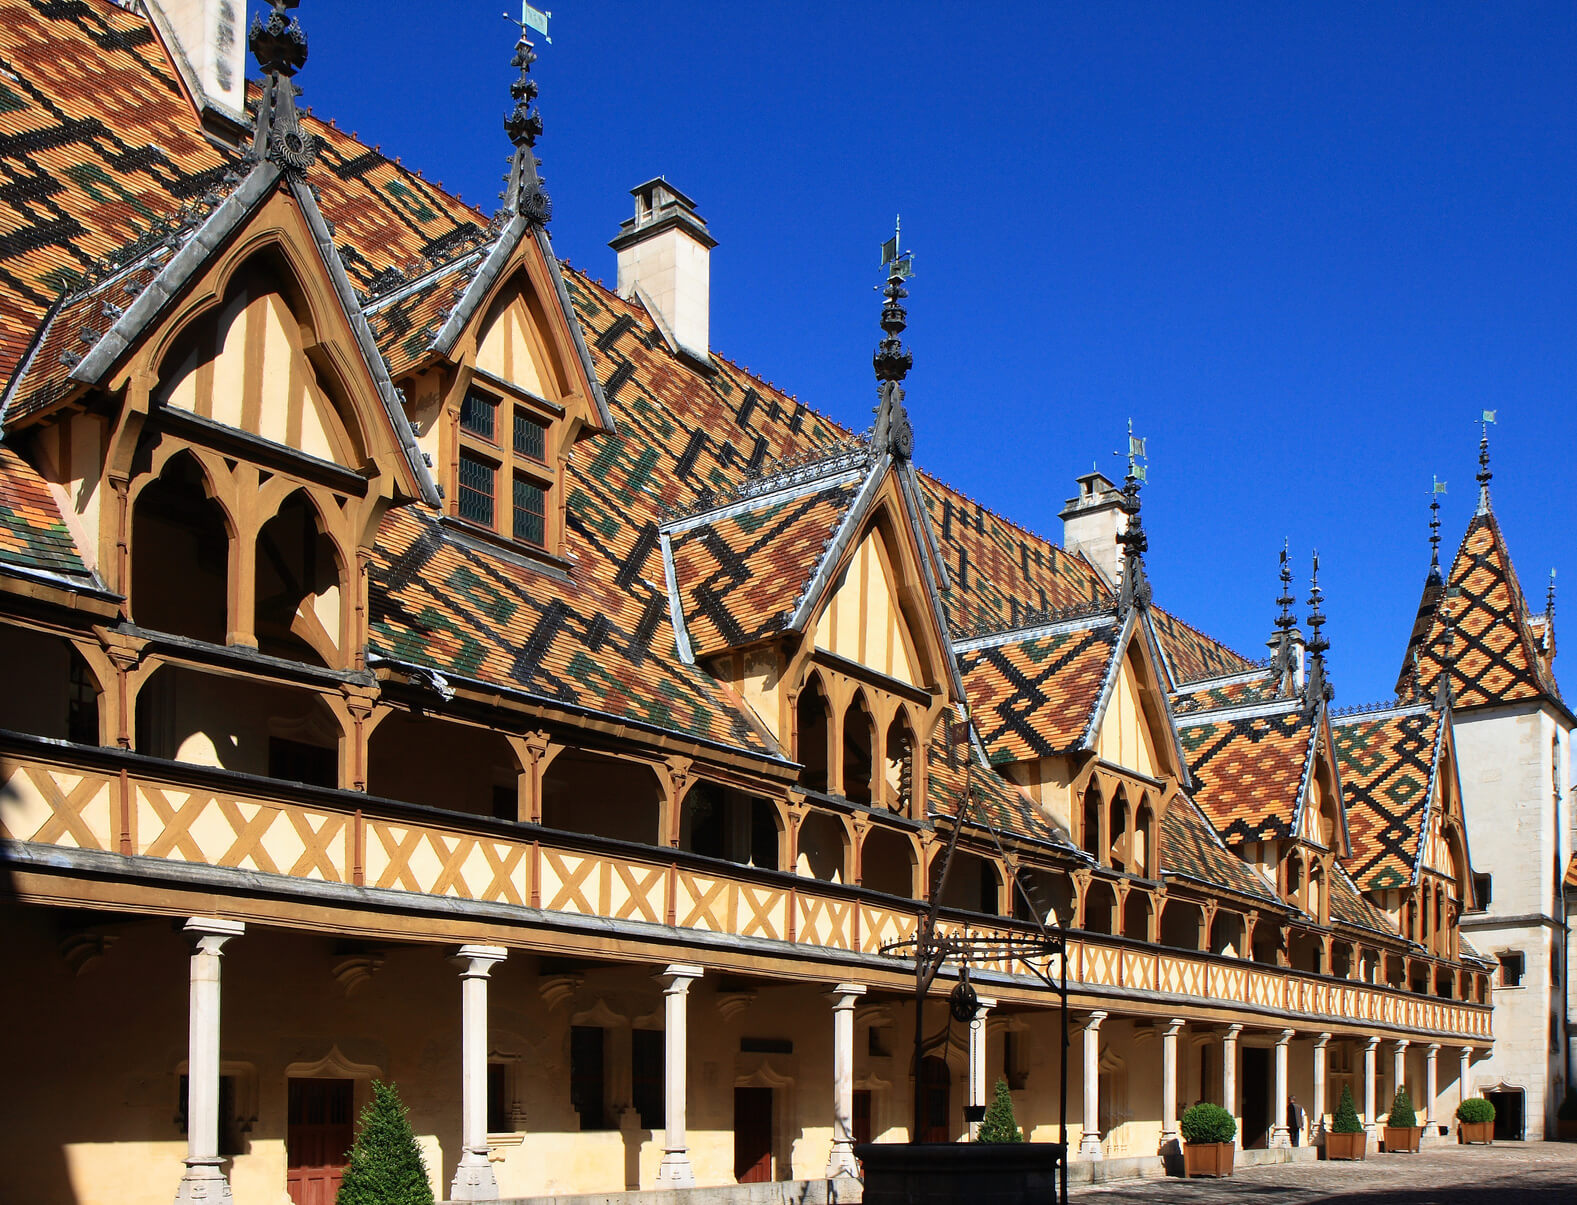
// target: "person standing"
[[1295, 1120]]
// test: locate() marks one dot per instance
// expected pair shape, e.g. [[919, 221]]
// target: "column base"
[[473, 1179], [675, 1170], [842, 1161], [203, 1181], [1280, 1136], [1090, 1146]]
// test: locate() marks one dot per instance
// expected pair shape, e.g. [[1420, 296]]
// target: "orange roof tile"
[[1387, 766], [32, 533], [1249, 770]]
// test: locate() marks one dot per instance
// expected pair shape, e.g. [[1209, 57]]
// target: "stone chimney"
[[1092, 521], [665, 263], [207, 40]]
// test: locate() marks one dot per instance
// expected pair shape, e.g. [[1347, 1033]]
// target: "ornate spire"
[[1549, 599], [892, 360], [524, 193], [1134, 542], [1284, 659], [1484, 475], [280, 47], [1438, 488], [1286, 620], [1317, 686]]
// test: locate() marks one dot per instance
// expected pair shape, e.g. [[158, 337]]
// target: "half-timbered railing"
[[53, 794]]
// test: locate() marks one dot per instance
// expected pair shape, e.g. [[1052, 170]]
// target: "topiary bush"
[[1207, 1123], [999, 1124], [1475, 1109], [1402, 1115], [1345, 1120], [386, 1165]]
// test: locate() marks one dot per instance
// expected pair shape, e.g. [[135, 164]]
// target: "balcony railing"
[[56, 794]]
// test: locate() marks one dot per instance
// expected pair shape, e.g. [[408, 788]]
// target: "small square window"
[[531, 437], [1511, 967], [530, 512], [479, 414], [476, 489], [1481, 890]]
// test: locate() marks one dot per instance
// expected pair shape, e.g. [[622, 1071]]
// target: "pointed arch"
[[813, 733], [859, 750], [301, 583], [182, 545]]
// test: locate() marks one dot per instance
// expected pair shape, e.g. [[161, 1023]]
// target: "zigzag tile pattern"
[[1034, 697], [740, 577], [1387, 769], [1248, 771], [405, 320], [1191, 655], [75, 189], [1484, 617], [32, 533], [1003, 804]]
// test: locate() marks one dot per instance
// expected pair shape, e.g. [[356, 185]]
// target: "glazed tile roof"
[[1190, 847], [1003, 804], [1249, 769], [741, 575], [1387, 763], [1190, 654], [77, 190], [31, 531], [1349, 906], [1482, 619], [1032, 697], [1213, 694], [405, 319]]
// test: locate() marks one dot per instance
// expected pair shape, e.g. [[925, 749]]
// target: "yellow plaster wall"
[[759, 688], [1125, 738], [509, 347], [861, 620]]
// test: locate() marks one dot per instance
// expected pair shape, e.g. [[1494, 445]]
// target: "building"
[[1476, 633], [423, 663]]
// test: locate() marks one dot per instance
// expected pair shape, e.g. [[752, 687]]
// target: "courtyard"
[[1504, 1173]]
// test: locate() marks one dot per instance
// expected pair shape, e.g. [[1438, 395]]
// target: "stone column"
[[1431, 1082], [1464, 1070], [203, 1180], [1169, 1081], [1090, 1142], [1398, 1068], [841, 1162], [1229, 1078], [675, 1170], [473, 1176], [1369, 1057], [1318, 1128], [977, 1057], [1279, 1134]]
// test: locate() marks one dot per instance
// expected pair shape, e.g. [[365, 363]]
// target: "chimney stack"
[[665, 263], [207, 40], [1092, 522]]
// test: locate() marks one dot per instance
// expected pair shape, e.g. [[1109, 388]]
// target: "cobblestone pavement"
[[1515, 1173]]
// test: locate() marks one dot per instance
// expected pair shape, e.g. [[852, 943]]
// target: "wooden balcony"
[[55, 794]]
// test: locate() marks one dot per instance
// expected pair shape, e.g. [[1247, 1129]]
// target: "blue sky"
[[1302, 246]]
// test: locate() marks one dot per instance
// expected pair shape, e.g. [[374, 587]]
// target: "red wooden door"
[[752, 1135], [318, 1134], [936, 1082]]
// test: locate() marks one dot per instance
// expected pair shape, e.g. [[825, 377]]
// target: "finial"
[[1438, 488], [1286, 621], [1486, 417], [892, 360], [1132, 538], [1549, 600], [524, 193], [280, 47], [1317, 643]]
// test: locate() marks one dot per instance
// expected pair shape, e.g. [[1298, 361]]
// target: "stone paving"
[[1507, 1173]]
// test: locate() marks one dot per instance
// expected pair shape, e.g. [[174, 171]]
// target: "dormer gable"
[[1131, 726]]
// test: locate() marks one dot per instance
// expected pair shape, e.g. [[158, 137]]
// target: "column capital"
[[983, 1005], [1432, 1049], [1174, 1026], [210, 933], [1402, 1044], [844, 995], [1232, 1032], [1285, 1036], [1321, 1041], [677, 977], [476, 961], [1093, 1021], [1372, 1044]]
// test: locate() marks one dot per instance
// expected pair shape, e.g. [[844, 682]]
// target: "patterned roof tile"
[[1190, 654], [31, 531], [1190, 846], [1387, 765], [1248, 770], [1213, 694]]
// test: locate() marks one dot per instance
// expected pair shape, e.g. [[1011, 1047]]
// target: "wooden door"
[[752, 1135], [936, 1083], [319, 1131], [860, 1129]]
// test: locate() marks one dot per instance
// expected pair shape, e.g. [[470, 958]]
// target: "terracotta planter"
[[1476, 1131], [1403, 1139], [1207, 1158], [1565, 1131], [1346, 1146]]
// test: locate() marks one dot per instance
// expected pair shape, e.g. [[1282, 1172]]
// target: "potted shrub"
[[1475, 1120], [1346, 1139], [1402, 1130], [1566, 1118], [999, 1124], [1208, 1131]]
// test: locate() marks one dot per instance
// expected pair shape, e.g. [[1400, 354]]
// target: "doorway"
[[1256, 1097], [320, 1128], [936, 1089], [1508, 1114], [752, 1135]]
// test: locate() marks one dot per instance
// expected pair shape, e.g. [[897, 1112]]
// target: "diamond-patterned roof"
[[1481, 628], [1032, 697], [1387, 764], [405, 319], [1190, 654], [1249, 769], [741, 574], [1190, 846], [1213, 694], [32, 533]]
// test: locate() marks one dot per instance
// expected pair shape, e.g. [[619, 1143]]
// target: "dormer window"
[[504, 481]]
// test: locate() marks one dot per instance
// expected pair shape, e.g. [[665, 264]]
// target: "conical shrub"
[[999, 1124], [1346, 1120], [1402, 1114], [386, 1165]]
